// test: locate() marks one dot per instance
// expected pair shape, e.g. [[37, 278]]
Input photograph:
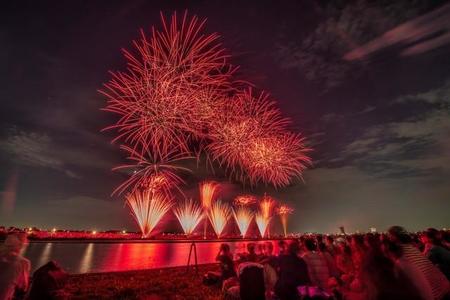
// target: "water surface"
[[84, 257]]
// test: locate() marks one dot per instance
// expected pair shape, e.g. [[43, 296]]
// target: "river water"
[[86, 257]]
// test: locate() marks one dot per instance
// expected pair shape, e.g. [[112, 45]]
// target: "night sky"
[[367, 82]]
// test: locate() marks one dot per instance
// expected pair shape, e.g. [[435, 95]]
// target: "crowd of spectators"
[[389, 266]]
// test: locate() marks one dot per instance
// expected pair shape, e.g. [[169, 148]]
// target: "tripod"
[[193, 248]]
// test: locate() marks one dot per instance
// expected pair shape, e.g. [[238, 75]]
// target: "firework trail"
[[207, 191], [189, 214], [243, 217], [284, 211], [148, 209], [262, 223], [218, 216], [166, 94], [150, 173], [264, 215]]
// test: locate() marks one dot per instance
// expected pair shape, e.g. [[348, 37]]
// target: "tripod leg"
[[195, 258], [189, 259]]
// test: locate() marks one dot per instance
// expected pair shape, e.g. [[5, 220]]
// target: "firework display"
[[263, 217], [243, 216], [245, 200], [262, 223], [284, 211], [179, 98], [207, 190], [218, 216], [189, 214], [148, 209], [172, 76]]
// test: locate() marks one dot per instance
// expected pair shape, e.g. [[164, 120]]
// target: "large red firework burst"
[[169, 88], [244, 118], [276, 159], [250, 139]]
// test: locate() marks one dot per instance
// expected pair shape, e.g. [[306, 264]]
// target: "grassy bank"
[[170, 283]]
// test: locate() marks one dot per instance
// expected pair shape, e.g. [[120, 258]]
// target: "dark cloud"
[[320, 55], [417, 36]]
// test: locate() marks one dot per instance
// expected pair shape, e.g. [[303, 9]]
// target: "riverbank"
[[168, 283]]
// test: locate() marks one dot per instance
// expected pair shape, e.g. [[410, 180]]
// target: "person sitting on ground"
[[344, 261], [14, 268], [359, 249], [251, 255], [438, 255], [270, 264], [417, 267], [261, 251], [329, 243], [225, 259], [293, 272], [334, 272], [317, 266], [269, 258], [282, 247], [48, 282]]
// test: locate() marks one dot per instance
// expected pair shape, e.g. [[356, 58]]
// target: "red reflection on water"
[[110, 257]]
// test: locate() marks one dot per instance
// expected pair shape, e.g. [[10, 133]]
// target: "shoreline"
[[156, 241]]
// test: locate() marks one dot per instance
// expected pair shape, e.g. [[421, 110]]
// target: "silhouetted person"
[[251, 255], [293, 272], [225, 259], [282, 247], [48, 281]]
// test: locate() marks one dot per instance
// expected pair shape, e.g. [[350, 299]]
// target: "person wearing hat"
[[14, 268], [425, 276]]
